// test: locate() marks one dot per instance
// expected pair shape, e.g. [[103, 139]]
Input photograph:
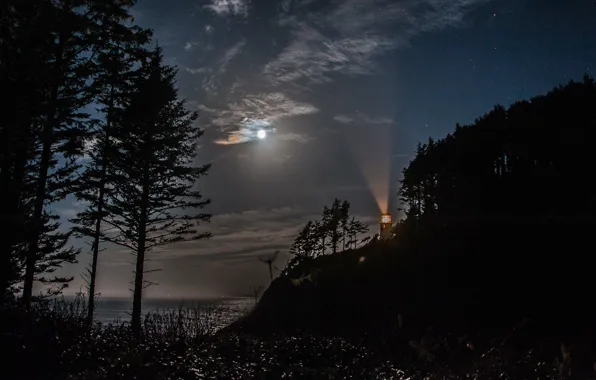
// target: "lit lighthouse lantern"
[[386, 226]]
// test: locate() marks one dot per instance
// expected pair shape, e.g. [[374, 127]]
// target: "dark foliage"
[[56, 343], [46, 72], [337, 229], [526, 164]]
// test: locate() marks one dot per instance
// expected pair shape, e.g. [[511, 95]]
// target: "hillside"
[[496, 244], [493, 275]]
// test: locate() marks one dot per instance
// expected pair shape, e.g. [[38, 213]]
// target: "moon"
[[261, 134]]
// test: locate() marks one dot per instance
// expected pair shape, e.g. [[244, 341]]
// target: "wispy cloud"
[[227, 7], [197, 70], [343, 119], [241, 120], [211, 82], [230, 54], [345, 39], [312, 57], [189, 46], [297, 137], [246, 134], [245, 235], [361, 118]]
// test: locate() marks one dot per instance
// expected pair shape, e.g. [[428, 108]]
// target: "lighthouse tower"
[[386, 226]]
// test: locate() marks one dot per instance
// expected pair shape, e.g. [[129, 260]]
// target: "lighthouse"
[[386, 226]]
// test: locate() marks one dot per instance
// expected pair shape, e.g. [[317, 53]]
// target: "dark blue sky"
[[345, 89]]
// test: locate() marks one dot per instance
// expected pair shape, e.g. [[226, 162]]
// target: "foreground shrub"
[[51, 341]]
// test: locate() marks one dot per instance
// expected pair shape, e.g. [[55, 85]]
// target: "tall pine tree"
[[19, 26], [155, 202], [45, 71], [63, 126], [336, 224]]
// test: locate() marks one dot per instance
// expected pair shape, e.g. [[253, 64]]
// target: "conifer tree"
[[336, 225], [155, 202], [304, 244], [354, 230], [119, 50], [44, 64], [332, 220], [62, 127], [344, 222], [18, 21]]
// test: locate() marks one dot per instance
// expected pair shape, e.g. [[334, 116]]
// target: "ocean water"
[[223, 310]]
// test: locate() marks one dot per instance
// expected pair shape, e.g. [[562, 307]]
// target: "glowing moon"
[[261, 134]]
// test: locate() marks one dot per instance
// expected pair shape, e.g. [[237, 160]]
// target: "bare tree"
[[269, 260], [256, 290]]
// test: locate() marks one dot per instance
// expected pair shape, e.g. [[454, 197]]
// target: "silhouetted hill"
[[498, 234], [487, 275]]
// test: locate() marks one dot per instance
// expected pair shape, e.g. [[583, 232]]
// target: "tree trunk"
[[33, 241], [97, 232], [335, 241], [11, 180], [96, 237], [138, 289], [44, 166]]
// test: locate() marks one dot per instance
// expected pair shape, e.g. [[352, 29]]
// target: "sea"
[[221, 310]]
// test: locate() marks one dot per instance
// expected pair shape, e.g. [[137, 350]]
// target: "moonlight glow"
[[261, 134]]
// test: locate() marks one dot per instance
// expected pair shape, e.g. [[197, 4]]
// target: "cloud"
[[269, 107], [246, 134], [343, 119], [378, 120], [297, 137], [242, 119], [362, 119], [346, 38], [245, 235], [198, 70], [211, 82], [242, 135], [189, 46], [312, 57], [230, 54], [227, 7]]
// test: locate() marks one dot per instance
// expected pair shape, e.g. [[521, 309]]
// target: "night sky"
[[345, 89]]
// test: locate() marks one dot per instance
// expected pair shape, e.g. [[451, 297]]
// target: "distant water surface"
[[227, 310]]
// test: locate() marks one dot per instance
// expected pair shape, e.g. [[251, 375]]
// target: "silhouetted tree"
[[47, 49], [269, 260], [344, 222], [331, 221], [118, 51], [304, 244], [154, 173], [336, 226], [510, 164], [354, 230], [15, 19]]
